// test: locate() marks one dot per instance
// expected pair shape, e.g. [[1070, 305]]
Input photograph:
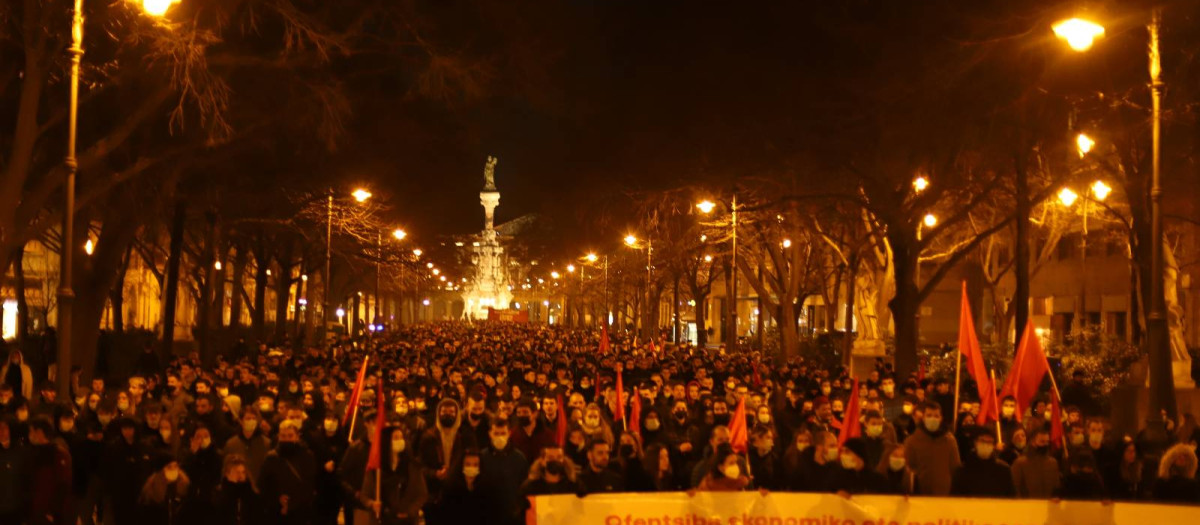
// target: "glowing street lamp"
[[920, 183], [399, 234], [361, 195], [429, 265], [1067, 197], [591, 257], [630, 240], [1080, 34], [89, 247], [157, 7], [417, 252], [217, 265], [706, 206], [436, 271], [787, 243], [1084, 143], [571, 268], [930, 220], [555, 275], [708, 258], [1100, 190]]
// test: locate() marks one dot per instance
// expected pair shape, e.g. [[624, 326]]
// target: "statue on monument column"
[[489, 174]]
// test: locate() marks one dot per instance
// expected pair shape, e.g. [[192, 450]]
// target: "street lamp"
[[399, 234], [1084, 143], [930, 220], [1067, 197], [920, 183], [417, 252], [66, 293], [361, 195], [707, 207], [1080, 34]]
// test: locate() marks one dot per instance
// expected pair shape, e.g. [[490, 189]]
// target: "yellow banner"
[[752, 508]]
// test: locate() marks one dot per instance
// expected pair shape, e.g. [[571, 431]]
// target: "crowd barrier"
[[753, 508]]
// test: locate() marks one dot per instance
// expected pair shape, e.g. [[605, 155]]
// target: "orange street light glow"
[[1080, 34]]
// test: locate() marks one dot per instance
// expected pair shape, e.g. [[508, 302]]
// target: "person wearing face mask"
[[628, 462], [932, 453], [1082, 481], [982, 474], [469, 500], [795, 454], [249, 442], [1036, 474], [553, 473], [441, 448], [328, 445], [1008, 418], [877, 438], [288, 479], [164, 499], [1014, 447], [817, 464], [900, 480], [854, 475], [203, 464], [725, 474], [504, 468], [236, 501]]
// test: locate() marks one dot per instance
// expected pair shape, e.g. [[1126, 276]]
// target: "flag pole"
[[999, 433], [957, 383], [1057, 396], [354, 409]]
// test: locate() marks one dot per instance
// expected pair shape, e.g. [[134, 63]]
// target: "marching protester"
[[480, 417]]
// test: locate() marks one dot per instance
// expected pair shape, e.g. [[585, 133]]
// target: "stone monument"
[[488, 285]]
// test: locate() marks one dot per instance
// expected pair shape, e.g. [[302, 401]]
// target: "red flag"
[[620, 401], [968, 344], [604, 338], [738, 436], [373, 460], [635, 414], [851, 427], [1056, 426], [920, 368], [354, 394], [1029, 368], [561, 432], [653, 347]]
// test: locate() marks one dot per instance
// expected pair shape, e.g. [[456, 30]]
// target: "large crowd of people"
[[477, 417]]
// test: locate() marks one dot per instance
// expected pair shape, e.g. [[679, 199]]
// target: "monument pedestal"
[[1131, 406], [863, 356]]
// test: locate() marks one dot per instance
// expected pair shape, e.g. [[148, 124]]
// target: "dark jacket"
[[204, 470], [864, 481], [607, 480], [990, 478], [501, 473], [48, 477], [12, 479], [237, 504], [291, 472], [1082, 486], [766, 469], [175, 508]]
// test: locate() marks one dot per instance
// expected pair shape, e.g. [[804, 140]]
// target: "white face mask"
[[984, 451], [932, 424], [831, 454], [849, 461], [205, 443], [171, 474], [800, 445], [470, 472], [732, 471], [895, 463], [592, 421], [66, 425], [764, 419], [874, 430], [398, 446], [250, 425], [166, 434], [1096, 440], [652, 424], [499, 442], [331, 425], [122, 405], [1008, 411]]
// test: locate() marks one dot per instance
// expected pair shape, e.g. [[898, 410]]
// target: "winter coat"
[[123, 470], [1173, 484], [12, 478], [289, 471], [607, 480], [1035, 475], [25, 387], [983, 478], [475, 505], [1082, 486], [253, 449], [934, 457], [766, 470], [402, 492], [237, 504], [204, 470], [501, 473], [174, 508]]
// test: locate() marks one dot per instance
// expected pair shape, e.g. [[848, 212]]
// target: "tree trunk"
[[831, 309], [207, 290], [18, 266], [762, 310], [116, 295], [904, 304], [94, 278], [676, 330], [848, 326], [788, 334], [730, 324], [258, 320], [240, 260], [171, 293], [1022, 251], [283, 285], [297, 323], [701, 318]]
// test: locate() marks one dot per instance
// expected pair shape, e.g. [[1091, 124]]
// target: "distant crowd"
[[477, 417]]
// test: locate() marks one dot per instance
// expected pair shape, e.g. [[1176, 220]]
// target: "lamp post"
[[732, 313], [1079, 35], [360, 195], [66, 293], [632, 242], [399, 235], [1098, 191]]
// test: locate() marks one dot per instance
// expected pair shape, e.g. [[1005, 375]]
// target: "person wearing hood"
[[16, 374], [1036, 474], [164, 498], [288, 479], [856, 476], [1176, 481], [932, 453], [982, 474], [1014, 446], [441, 450], [236, 501]]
